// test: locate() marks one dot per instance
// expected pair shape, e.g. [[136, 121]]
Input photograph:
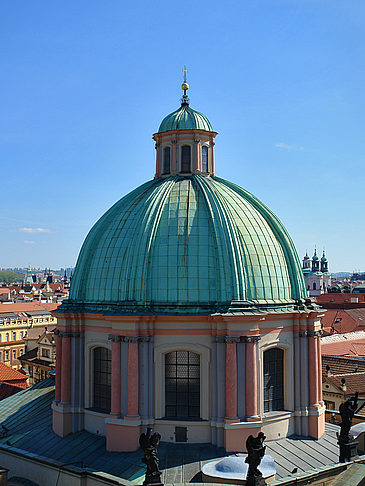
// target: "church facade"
[[188, 312]]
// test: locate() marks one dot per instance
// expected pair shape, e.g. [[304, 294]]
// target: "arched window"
[[204, 159], [182, 384], [273, 379], [7, 336], [102, 379], [166, 160], [314, 286], [185, 158]]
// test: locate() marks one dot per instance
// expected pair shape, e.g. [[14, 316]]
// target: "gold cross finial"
[[185, 71]]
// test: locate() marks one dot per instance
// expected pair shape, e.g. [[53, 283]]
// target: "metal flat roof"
[[27, 416], [8, 315], [37, 313]]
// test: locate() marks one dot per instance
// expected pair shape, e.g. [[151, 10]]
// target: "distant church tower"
[[317, 277]]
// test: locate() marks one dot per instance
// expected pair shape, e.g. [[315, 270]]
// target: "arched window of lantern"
[[314, 286], [204, 158], [101, 394], [273, 379], [182, 385], [166, 160], [186, 158]]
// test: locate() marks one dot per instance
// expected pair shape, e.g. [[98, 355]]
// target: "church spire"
[[185, 99]]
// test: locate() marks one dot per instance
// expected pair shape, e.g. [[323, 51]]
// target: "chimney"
[[343, 386], [328, 371]]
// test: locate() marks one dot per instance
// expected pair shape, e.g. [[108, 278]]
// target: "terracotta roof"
[[8, 374], [340, 365], [28, 306], [344, 321], [355, 382], [3, 290], [344, 348]]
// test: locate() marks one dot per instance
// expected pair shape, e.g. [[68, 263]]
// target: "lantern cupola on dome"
[[184, 141]]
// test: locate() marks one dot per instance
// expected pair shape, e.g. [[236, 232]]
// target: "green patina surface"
[[185, 118], [188, 241]]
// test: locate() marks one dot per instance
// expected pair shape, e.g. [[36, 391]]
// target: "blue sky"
[[85, 84]]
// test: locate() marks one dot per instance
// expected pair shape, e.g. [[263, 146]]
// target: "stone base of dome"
[[194, 308]]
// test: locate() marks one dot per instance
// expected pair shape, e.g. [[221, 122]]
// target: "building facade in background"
[[316, 274], [16, 319]]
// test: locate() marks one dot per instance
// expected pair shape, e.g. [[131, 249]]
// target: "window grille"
[[182, 384], [185, 158], [166, 160], [204, 159], [102, 379], [273, 379]]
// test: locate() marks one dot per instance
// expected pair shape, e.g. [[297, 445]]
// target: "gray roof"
[[27, 416], [38, 313], [8, 315]]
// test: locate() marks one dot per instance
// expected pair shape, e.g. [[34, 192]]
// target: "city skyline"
[[86, 86]]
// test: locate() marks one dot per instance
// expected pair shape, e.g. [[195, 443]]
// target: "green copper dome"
[[186, 245], [185, 118]]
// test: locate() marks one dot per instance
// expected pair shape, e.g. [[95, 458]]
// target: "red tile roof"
[[340, 365], [28, 306], [342, 321], [344, 348], [10, 375], [354, 382]]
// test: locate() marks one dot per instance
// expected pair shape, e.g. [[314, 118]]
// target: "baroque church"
[[188, 312]]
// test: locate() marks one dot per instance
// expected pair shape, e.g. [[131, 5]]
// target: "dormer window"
[[204, 158], [166, 160], [185, 158]]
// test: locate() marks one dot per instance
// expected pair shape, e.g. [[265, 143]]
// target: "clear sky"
[[85, 83]]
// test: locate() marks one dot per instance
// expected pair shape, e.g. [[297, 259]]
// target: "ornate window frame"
[[89, 371], [205, 378], [288, 377]]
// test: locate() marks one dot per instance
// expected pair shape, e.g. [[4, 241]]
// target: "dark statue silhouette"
[[255, 452], [149, 443], [348, 446]]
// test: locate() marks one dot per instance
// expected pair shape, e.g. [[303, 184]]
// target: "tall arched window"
[[205, 159], [273, 379], [102, 379], [182, 384], [185, 158], [314, 286], [166, 160]]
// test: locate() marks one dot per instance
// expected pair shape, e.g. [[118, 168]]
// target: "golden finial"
[[185, 99], [185, 85]]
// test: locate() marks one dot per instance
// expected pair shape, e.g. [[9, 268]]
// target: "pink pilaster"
[[197, 164], [58, 340], [313, 370], [158, 158], [66, 370], [132, 379], [231, 379], [251, 378], [212, 143], [174, 164], [116, 377], [320, 397]]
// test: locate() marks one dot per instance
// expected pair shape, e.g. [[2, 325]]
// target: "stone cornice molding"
[[237, 339], [68, 334], [310, 333], [116, 338]]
